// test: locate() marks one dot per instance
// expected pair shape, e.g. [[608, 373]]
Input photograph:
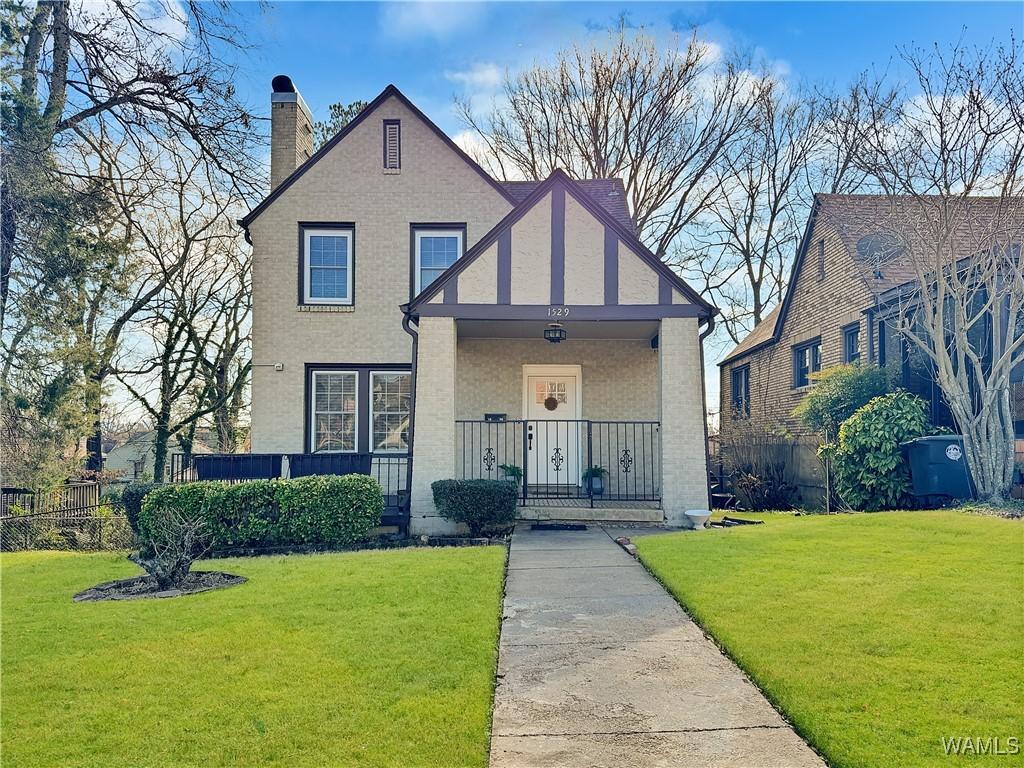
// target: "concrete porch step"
[[596, 515]]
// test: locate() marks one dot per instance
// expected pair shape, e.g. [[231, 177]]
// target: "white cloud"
[[437, 21], [480, 77]]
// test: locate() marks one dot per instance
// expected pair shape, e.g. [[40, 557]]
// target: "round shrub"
[[870, 470], [131, 498], [837, 394], [485, 506]]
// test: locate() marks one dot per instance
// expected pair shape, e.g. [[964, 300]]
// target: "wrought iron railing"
[[595, 461]]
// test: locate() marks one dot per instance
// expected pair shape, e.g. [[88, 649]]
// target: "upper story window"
[[741, 392], [806, 360], [435, 250], [821, 259], [327, 265], [851, 344], [392, 145]]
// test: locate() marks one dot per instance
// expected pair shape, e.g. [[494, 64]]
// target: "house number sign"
[[558, 311]]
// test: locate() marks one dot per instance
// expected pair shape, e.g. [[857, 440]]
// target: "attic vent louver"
[[392, 146]]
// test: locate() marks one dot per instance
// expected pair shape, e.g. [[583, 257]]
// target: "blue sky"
[[432, 51]]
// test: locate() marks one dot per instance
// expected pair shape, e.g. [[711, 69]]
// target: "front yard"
[[877, 635], [373, 659]]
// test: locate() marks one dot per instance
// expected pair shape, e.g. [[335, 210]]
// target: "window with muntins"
[[327, 265], [741, 392], [851, 344], [335, 410], [806, 360], [391, 398], [392, 145], [436, 250]]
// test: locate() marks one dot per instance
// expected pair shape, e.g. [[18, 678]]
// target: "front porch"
[[607, 425]]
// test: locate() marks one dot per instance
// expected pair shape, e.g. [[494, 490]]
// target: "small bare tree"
[[948, 154], [657, 118]]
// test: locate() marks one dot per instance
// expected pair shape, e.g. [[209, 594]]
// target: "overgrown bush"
[[174, 528], [837, 394], [758, 462], [320, 510], [486, 507], [869, 466]]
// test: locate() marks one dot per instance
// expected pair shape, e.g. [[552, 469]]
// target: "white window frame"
[[307, 233], [422, 232], [372, 414], [313, 411]]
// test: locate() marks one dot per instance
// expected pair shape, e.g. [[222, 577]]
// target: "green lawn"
[[379, 658], [876, 634]]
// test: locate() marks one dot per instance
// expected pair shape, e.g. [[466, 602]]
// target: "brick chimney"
[[291, 130]]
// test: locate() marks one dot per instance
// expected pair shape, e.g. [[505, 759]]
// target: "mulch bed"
[[143, 587]]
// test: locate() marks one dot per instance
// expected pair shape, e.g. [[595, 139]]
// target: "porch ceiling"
[[534, 329]]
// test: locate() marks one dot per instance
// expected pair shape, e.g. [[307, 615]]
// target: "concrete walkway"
[[599, 666]]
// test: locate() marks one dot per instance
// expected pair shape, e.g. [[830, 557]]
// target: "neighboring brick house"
[[837, 309], [403, 296]]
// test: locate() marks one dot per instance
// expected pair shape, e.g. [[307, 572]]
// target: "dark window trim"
[[743, 411], [847, 330], [881, 344], [384, 130], [303, 226], [417, 226], [362, 371], [797, 350]]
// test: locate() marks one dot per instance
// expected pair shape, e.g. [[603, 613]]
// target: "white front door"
[[554, 431]]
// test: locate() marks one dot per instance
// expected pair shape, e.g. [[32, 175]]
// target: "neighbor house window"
[[392, 145], [435, 251], [806, 360], [334, 410], [851, 344], [391, 400], [327, 265], [741, 392], [821, 259]]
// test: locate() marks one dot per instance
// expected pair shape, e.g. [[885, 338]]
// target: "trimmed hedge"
[[485, 506], [320, 510]]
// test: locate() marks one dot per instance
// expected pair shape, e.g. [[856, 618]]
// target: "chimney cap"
[[282, 84]]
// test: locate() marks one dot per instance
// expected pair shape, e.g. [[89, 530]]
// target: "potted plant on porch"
[[594, 479], [513, 472]]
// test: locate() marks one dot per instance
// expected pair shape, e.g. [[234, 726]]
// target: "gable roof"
[[558, 177], [854, 217], [384, 95], [610, 194]]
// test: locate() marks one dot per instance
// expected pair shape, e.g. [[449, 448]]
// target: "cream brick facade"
[[348, 185], [683, 454], [461, 372]]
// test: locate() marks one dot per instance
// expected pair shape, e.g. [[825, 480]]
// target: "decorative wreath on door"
[[551, 402]]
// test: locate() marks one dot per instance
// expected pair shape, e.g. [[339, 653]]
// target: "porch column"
[[434, 441], [684, 477]]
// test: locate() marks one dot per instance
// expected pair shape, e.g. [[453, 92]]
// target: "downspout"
[[704, 394], [407, 327]]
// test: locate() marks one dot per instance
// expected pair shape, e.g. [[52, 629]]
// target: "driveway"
[[599, 666]]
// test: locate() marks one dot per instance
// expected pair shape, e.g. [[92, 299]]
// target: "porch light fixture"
[[554, 333]]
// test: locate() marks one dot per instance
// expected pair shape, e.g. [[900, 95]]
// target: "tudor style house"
[[415, 318], [842, 306]]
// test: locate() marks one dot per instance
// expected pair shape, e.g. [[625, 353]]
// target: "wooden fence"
[[70, 500]]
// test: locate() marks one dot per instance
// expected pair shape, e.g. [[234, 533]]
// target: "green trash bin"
[[938, 467]]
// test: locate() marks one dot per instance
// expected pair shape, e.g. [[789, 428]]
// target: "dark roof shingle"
[[610, 194]]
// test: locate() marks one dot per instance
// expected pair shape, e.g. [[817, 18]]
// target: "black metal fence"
[[389, 469], [595, 461]]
